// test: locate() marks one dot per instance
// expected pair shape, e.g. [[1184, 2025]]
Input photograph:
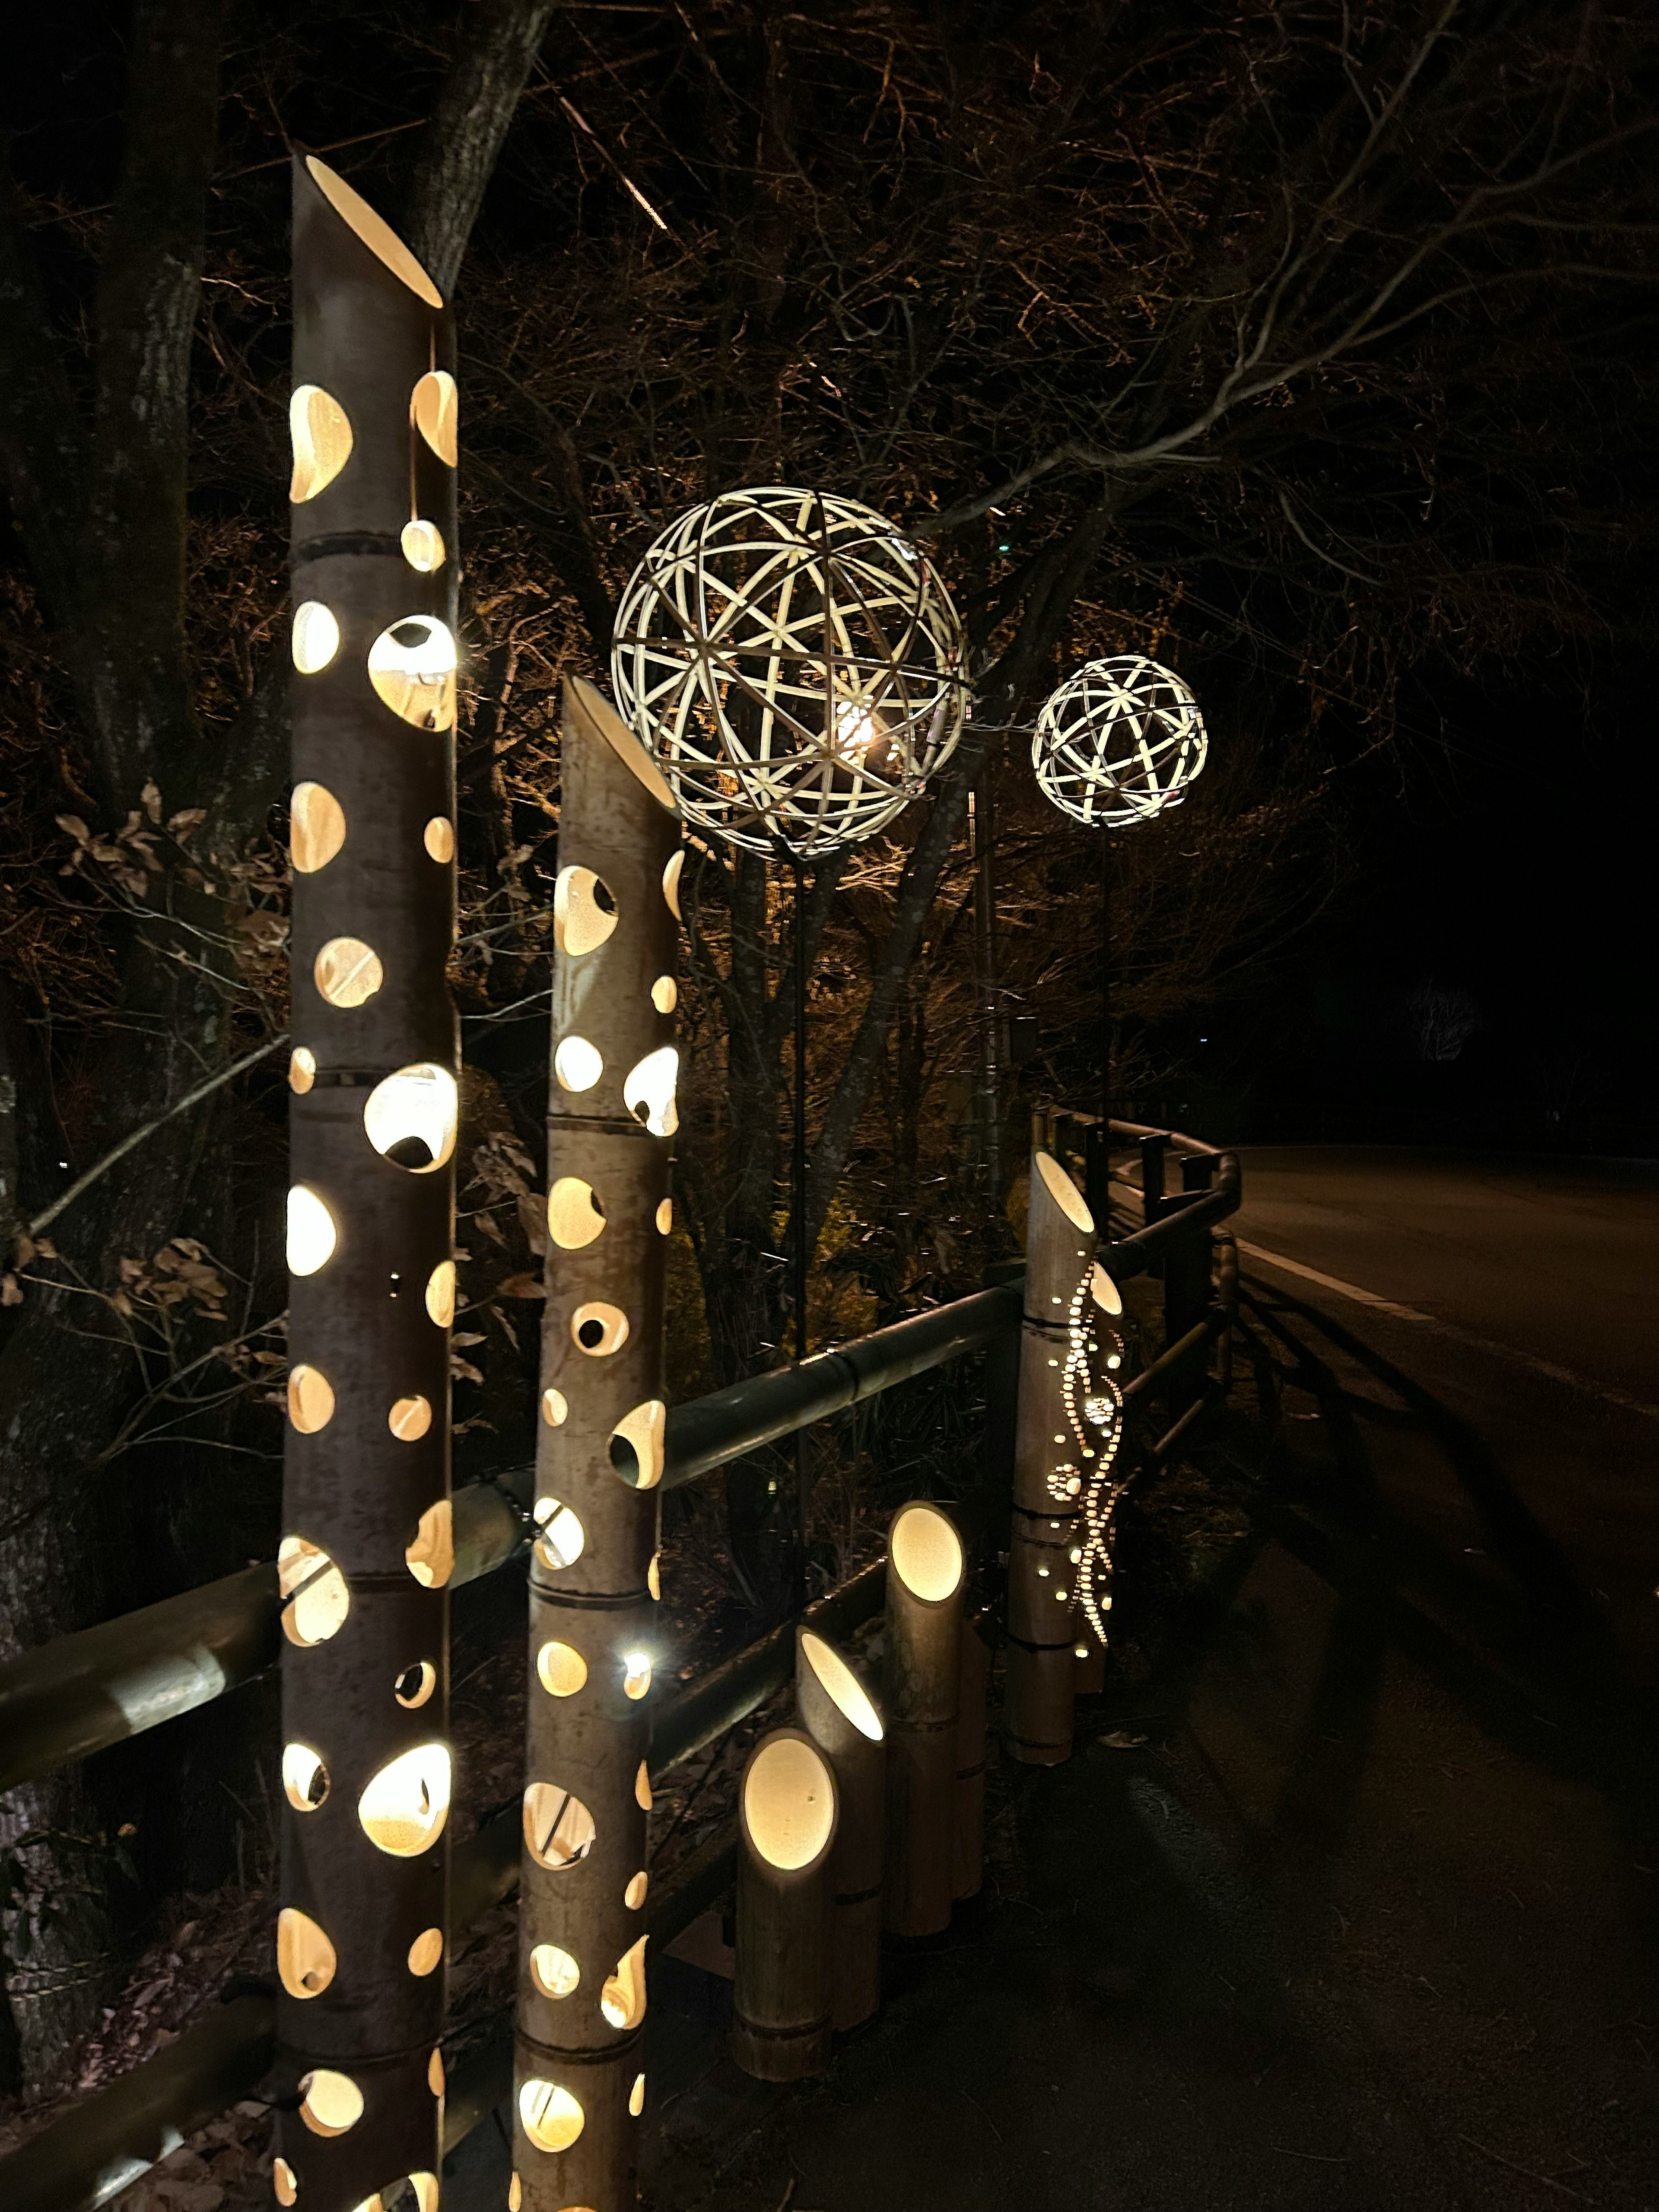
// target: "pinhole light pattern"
[[1119, 741], [1094, 1414], [795, 665]]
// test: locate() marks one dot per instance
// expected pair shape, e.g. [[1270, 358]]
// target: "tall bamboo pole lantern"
[[973, 1685], [580, 2088], [839, 1714], [922, 1663], [1053, 1461], [367, 1547], [781, 1995]]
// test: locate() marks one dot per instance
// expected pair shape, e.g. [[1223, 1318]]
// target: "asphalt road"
[[1356, 1911]]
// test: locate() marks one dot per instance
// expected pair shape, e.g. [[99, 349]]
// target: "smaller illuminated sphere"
[[1119, 741], [795, 666]]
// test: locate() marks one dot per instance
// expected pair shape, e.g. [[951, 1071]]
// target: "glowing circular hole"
[[561, 1537], [561, 1670], [440, 1294], [329, 2102], [558, 1828], [411, 665], [317, 828], [434, 409], [584, 912], [665, 1217], [1104, 1291], [633, 1895], [598, 1329], [301, 1069], [438, 838], [310, 1399], [636, 1673], [431, 1556], [642, 1788], [410, 1419], [422, 546], [638, 1444], [653, 1575], [671, 881], [426, 1951], [312, 1233], [554, 1972], [305, 1962], [575, 1216], [320, 435], [347, 972], [410, 1117], [550, 2116], [315, 1594], [637, 2097], [556, 1408], [403, 1808], [282, 2181], [621, 2000], [665, 995], [648, 1091], [415, 1684], [316, 637], [304, 1778], [577, 1064]]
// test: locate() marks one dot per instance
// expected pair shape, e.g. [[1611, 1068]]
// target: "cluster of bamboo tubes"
[[1067, 1440], [367, 1549], [580, 2087], [859, 1820]]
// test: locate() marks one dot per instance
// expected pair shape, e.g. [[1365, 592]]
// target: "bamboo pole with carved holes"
[[1049, 1473], [839, 1714], [367, 1547], [580, 2087], [921, 1662]]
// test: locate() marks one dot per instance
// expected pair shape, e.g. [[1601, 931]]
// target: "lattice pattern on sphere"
[[1119, 741], [793, 664]]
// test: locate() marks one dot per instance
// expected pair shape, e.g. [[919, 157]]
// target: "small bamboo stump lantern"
[[782, 1997], [837, 1712], [580, 2090], [974, 1682], [1052, 1463], [922, 1663], [367, 1547]]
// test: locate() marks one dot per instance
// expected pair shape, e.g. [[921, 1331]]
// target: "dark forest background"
[[1307, 347]]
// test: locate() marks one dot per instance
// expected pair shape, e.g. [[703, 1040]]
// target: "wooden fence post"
[[367, 1547], [579, 2089]]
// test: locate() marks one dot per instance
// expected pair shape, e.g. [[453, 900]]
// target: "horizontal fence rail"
[[85, 1692]]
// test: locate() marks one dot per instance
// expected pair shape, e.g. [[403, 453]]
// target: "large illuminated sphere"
[[1119, 741], [793, 664]]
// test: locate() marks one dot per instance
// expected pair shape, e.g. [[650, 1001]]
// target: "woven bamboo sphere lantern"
[[1120, 740], [795, 666]]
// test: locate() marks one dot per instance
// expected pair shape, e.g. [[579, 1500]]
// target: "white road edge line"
[[1556, 1373]]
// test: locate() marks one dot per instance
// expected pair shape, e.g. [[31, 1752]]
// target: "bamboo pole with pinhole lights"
[[1050, 1471], [839, 1714], [921, 1663], [580, 2082], [367, 1547], [782, 1992], [974, 1683]]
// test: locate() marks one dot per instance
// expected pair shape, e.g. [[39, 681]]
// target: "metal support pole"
[[982, 834], [611, 1114], [368, 1543], [799, 1255]]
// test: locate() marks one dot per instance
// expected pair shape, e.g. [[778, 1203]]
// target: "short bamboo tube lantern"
[[839, 1714], [782, 1995], [580, 2081], [974, 1683], [1052, 1462], [366, 1550], [922, 1664]]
